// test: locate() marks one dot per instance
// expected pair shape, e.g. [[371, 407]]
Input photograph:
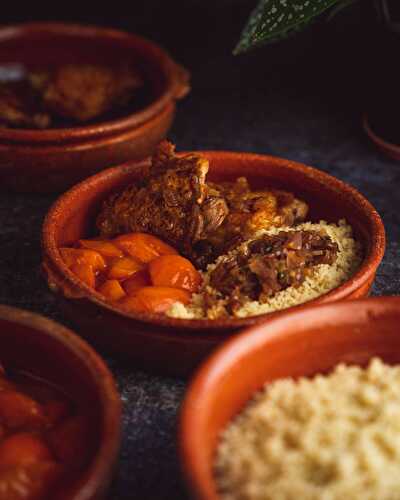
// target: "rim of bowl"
[[194, 460], [366, 271], [176, 79], [107, 453], [388, 148]]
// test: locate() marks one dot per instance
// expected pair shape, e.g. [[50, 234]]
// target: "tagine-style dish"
[[67, 95], [43, 440], [178, 244], [331, 437]]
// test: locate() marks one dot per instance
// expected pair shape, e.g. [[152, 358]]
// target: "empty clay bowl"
[[54, 159], [177, 345], [44, 349], [305, 342]]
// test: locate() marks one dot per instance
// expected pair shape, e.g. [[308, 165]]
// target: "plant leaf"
[[273, 20]]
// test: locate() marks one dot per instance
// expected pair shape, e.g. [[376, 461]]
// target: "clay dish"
[[45, 349], [54, 159], [177, 345], [305, 342]]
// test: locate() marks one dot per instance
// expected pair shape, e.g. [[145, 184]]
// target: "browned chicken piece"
[[19, 109], [250, 211], [202, 220], [85, 91], [267, 265], [173, 202]]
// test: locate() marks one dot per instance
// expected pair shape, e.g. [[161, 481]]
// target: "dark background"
[[302, 99]]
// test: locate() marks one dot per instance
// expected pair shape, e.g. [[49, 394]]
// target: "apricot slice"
[[155, 299], [123, 268], [138, 280], [174, 271], [143, 247], [29, 482], [85, 273], [18, 410], [112, 290], [105, 248], [23, 449], [74, 256]]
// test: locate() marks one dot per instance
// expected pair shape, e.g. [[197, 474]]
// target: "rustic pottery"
[[305, 342], [45, 349], [54, 159], [176, 345]]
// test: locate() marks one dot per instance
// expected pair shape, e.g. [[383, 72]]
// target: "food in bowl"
[[137, 271], [43, 439], [69, 94], [333, 436], [251, 249]]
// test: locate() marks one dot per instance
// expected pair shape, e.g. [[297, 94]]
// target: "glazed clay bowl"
[[305, 342], [45, 349], [54, 159], [176, 345]]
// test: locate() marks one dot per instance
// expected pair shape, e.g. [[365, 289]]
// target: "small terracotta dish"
[[177, 345], [47, 351], [388, 148], [305, 342], [54, 159]]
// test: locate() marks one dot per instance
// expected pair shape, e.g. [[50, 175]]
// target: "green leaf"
[[273, 20]]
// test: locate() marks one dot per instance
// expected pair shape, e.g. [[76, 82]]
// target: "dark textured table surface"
[[300, 100]]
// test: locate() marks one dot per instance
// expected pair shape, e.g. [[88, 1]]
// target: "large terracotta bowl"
[[33, 344], [177, 345], [302, 343], [54, 159]]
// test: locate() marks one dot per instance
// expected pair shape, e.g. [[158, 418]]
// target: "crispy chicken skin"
[[19, 109], [84, 91], [173, 202], [202, 220]]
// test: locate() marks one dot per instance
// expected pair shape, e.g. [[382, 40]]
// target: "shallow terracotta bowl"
[[305, 342], [177, 345], [54, 159], [45, 349]]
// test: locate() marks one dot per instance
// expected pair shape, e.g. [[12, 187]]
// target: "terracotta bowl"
[[388, 148], [177, 345], [54, 159], [302, 343], [36, 345]]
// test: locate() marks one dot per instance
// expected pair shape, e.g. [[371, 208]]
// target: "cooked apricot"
[[85, 273], [155, 299], [23, 449], [123, 268], [138, 280], [29, 482], [112, 290], [105, 248], [143, 247], [174, 271], [73, 256], [18, 410]]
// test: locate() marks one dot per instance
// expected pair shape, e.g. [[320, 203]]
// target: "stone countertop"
[[282, 101]]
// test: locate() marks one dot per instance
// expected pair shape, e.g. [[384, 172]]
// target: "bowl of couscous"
[[304, 406]]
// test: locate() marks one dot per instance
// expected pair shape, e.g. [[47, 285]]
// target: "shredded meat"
[[268, 265], [19, 107], [203, 220], [84, 91]]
